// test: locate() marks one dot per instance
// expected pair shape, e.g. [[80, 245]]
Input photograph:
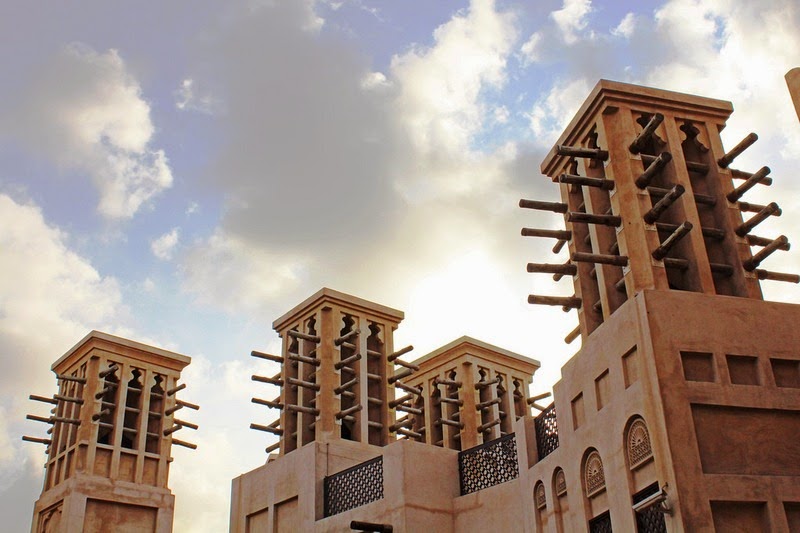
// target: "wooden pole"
[[391, 357], [704, 199], [712, 233], [777, 276], [346, 337], [268, 429], [302, 409], [742, 175], [400, 375], [265, 379], [638, 143], [662, 251], [754, 240], [759, 217], [305, 337], [52, 401], [304, 384], [753, 262], [346, 361], [561, 235], [662, 205], [547, 268], [743, 145], [568, 302], [64, 377], [616, 260], [657, 164], [555, 207], [739, 191], [577, 151], [572, 335], [268, 357], [600, 183], [37, 440], [590, 218]]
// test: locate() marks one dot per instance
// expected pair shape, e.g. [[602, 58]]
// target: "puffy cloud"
[[240, 276], [553, 111], [572, 18], [441, 101], [164, 246], [49, 298], [530, 50], [626, 26], [86, 112], [187, 98]]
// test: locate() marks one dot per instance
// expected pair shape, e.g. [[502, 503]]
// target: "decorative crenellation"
[[594, 474], [638, 444]]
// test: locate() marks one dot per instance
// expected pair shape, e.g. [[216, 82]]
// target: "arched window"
[[539, 495], [594, 476], [637, 443]]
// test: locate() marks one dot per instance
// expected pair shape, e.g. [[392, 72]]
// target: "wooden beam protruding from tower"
[[639, 143], [743, 145], [739, 191], [777, 244], [747, 226], [655, 167], [681, 231]]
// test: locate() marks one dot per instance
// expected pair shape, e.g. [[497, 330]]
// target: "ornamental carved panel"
[[541, 498], [561, 483], [638, 444], [594, 474]]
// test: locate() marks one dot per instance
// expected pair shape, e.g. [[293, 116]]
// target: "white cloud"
[[572, 19], [501, 114], [626, 26], [553, 111], [87, 113], [164, 246], [374, 80], [50, 297], [530, 49], [187, 98], [239, 276], [440, 102]]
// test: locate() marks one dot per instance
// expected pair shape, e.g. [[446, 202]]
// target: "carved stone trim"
[[638, 444], [594, 474], [561, 483], [541, 498]]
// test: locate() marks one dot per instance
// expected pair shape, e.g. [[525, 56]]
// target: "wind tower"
[[683, 365], [339, 370], [112, 428]]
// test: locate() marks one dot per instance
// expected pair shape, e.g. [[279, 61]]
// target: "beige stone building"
[[680, 411], [112, 426]]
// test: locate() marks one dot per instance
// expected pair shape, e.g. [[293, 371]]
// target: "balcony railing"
[[546, 432], [489, 464], [358, 485]]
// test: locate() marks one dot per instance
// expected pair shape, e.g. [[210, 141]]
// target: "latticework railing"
[[356, 486], [489, 464], [546, 432]]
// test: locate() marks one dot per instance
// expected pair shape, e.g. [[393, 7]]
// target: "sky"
[[183, 173]]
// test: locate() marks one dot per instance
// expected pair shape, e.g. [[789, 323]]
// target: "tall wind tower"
[[680, 353], [112, 427]]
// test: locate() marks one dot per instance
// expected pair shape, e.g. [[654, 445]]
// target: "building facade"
[[680, 411]]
